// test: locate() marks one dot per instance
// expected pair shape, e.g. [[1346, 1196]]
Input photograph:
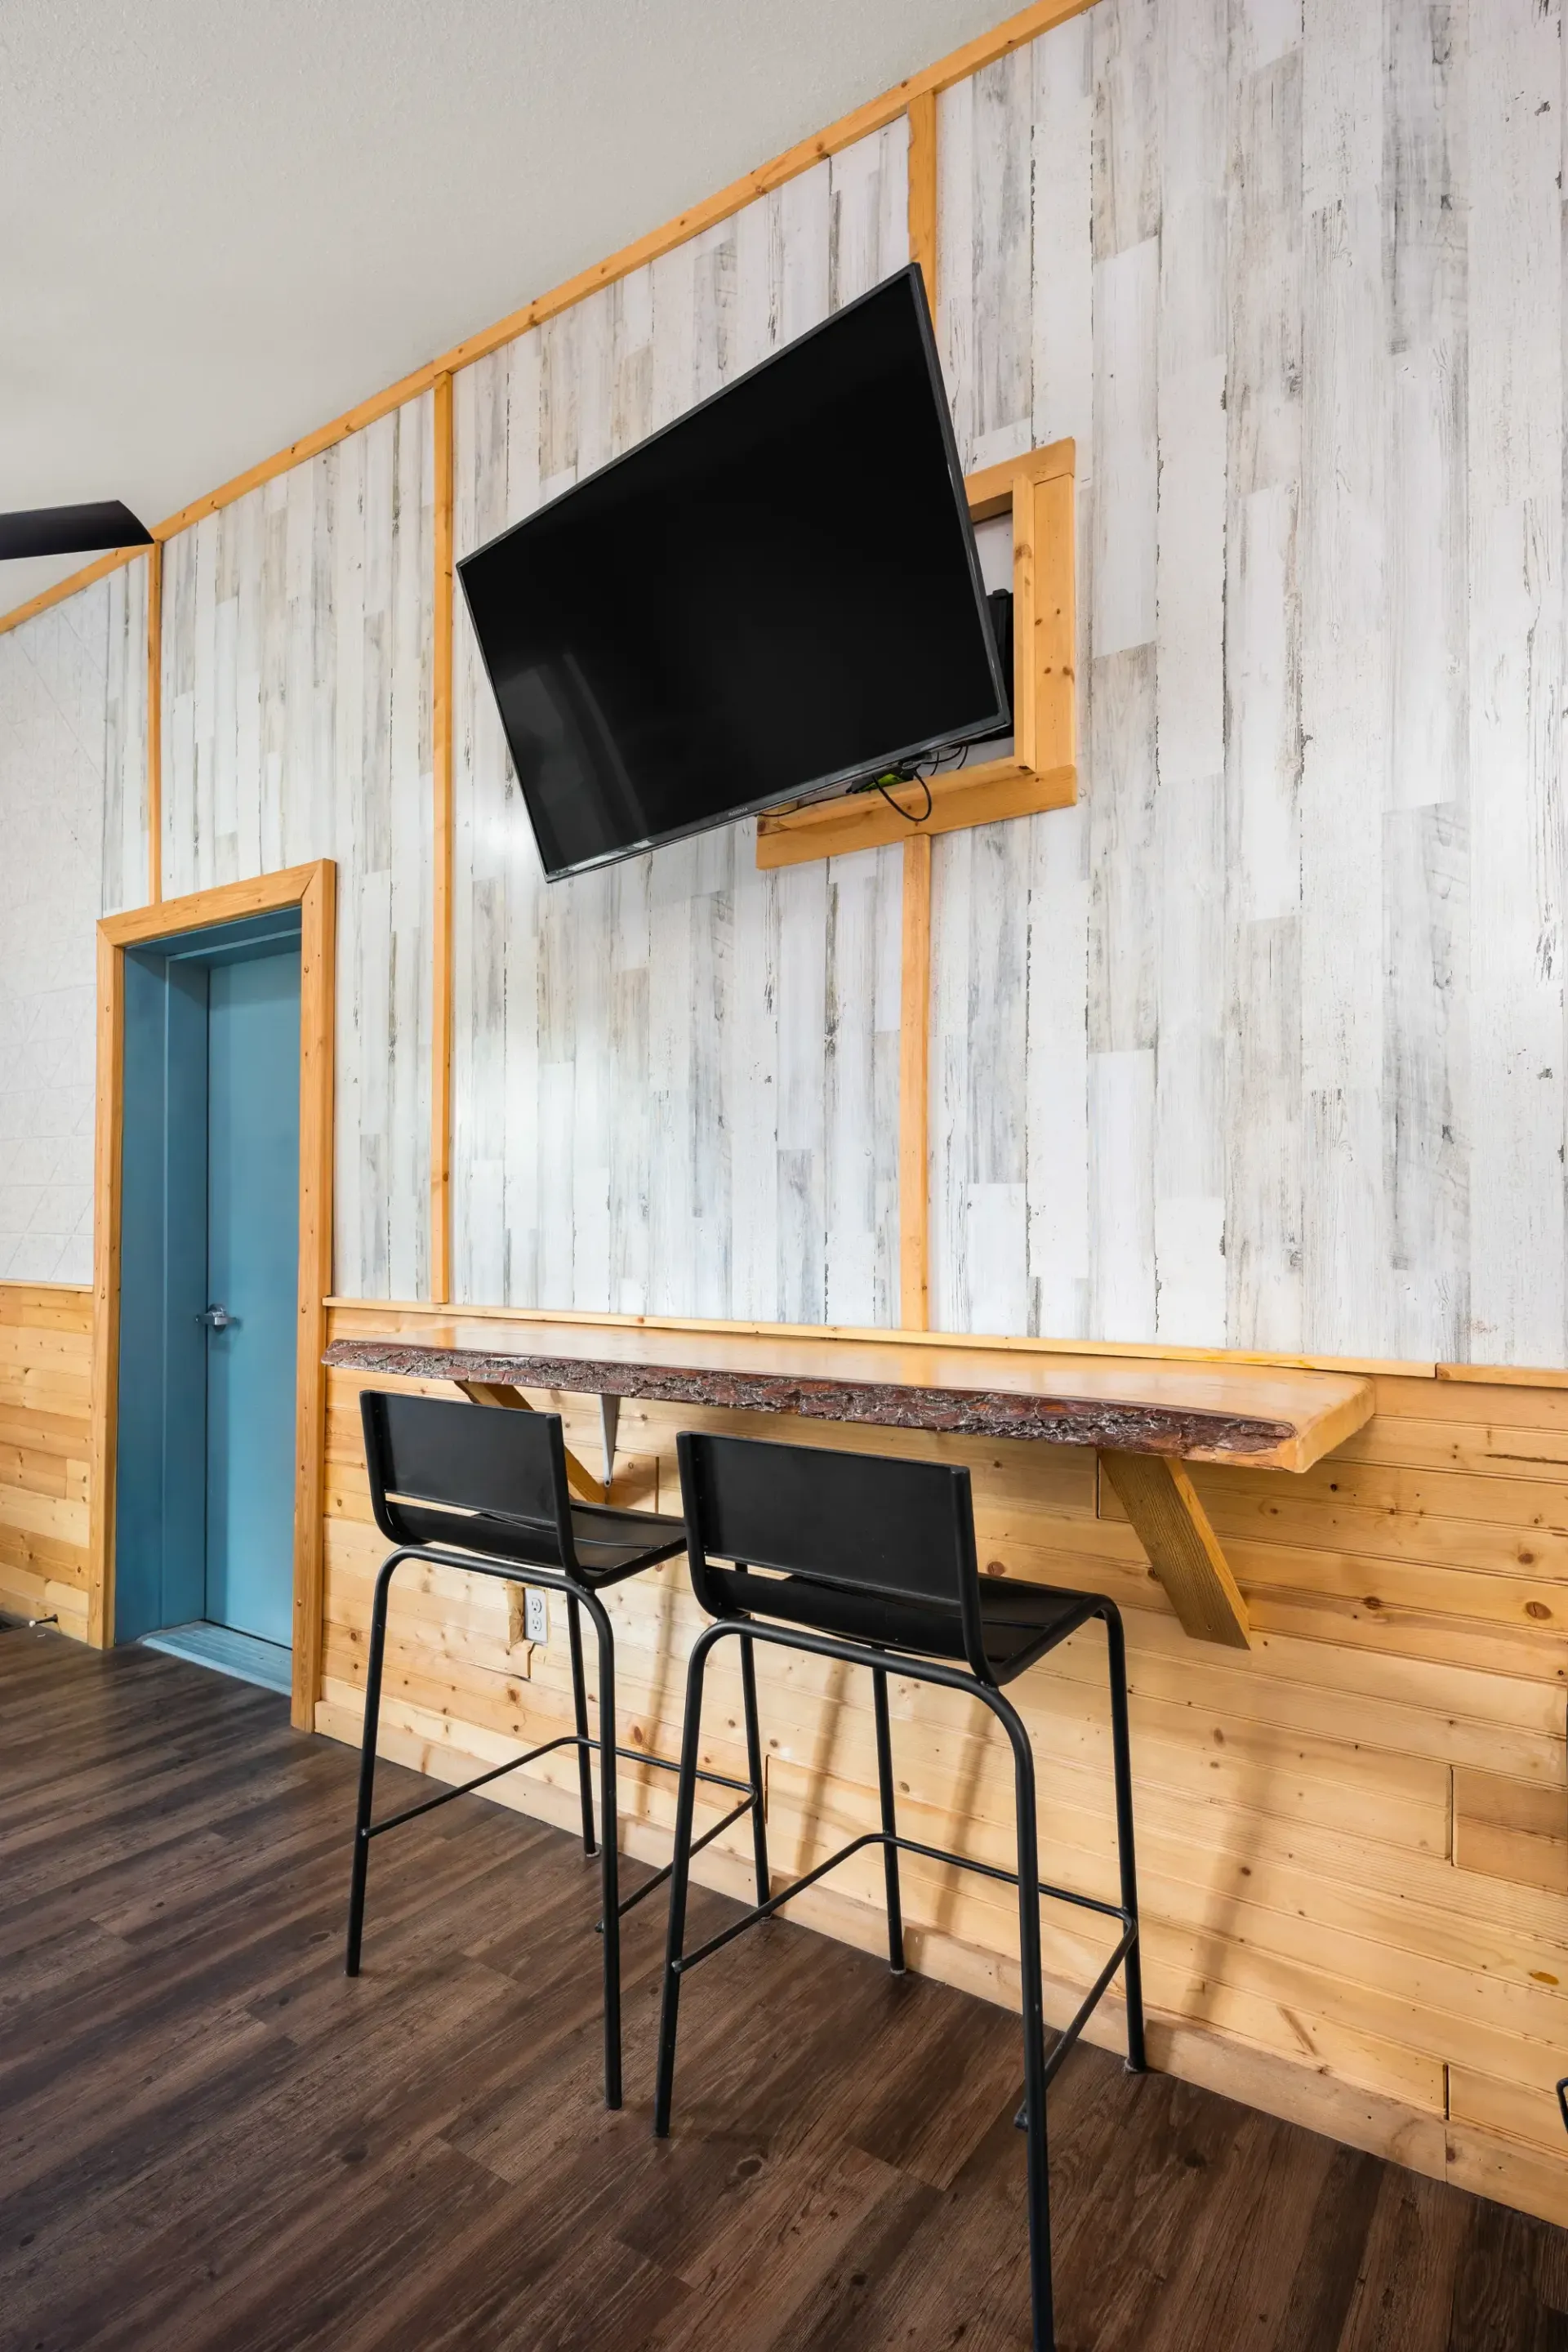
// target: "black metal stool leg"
[[1132, 1967], [889, 1822], [1039, 2180], [580, 1712], [754, 1765], [681, 1871], [609, 1851], [367, 1764]]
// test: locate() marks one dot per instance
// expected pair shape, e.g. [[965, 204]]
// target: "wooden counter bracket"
[[1185, 1552], [582, 1481]]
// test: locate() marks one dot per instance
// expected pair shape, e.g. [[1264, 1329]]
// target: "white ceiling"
[[222, 224]]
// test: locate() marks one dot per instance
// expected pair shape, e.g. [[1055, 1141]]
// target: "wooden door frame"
[[313, 890]]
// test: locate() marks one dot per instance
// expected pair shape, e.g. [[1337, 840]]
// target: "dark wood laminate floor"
[[209, 2139]]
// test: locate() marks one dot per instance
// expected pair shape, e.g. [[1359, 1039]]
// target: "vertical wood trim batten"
[[914, 1091], [922, 189], [914, 1019], [154, 724], [105, 1395], [441, 907], [318, 947]]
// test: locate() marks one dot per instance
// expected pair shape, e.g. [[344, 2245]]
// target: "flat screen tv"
[[777, 594]]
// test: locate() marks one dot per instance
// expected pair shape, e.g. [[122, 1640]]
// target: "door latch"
[[217, 1319]]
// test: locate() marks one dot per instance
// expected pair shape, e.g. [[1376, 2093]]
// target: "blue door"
[[253, 1244]]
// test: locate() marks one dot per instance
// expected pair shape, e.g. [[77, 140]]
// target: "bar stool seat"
[[473, 1487], [1019, 1621], [606, 1544]]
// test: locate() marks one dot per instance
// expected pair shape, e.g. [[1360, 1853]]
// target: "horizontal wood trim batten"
[[1143, 1351], [16, 1297], [1523, 1376], [990, 489], [226, 902], [982, 795], [1013, 33]]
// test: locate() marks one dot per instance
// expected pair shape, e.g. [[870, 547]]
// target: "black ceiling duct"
[[70, 531]]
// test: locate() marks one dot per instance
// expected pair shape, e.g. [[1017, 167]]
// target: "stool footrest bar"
[[672, 1764], [933, 1853], [775, 1903], [1070, 2032], [651, 1885], [412, 1812], [566, 1740], [1006, 1877]]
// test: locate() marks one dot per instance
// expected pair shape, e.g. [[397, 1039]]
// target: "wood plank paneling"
[[675, 1082], [914, 1092], [45, 1445], [127, 846], [1322, 593], [73, 846], [1426, 845], [297, 689], [1511, 1829]]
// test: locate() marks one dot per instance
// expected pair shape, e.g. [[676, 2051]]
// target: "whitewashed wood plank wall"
[[675, 1082], [1263, 1044], [297, 674], [73, 846]]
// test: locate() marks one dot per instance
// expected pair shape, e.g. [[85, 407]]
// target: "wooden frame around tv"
[[1042, 770]]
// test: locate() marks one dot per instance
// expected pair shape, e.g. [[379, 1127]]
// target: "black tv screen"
[[777, 594]]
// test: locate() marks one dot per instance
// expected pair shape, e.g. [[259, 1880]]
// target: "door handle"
[[217, 1319]]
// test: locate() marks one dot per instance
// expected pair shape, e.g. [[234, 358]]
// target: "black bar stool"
[[879, 1569], [470, 1487]]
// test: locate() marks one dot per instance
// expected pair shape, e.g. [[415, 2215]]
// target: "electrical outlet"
[[538, 1615]]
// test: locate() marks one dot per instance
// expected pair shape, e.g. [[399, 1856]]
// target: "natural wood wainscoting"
[[46, 1448], [1352, 1837]]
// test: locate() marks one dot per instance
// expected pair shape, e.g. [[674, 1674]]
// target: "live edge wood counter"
[[1143, 1420]]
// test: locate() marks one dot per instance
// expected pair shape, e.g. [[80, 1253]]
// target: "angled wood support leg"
[[1185, 1552], [582, 1481]]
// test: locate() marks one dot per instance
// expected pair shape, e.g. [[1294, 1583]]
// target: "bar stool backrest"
[[441, 1472], [895, 1529]]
